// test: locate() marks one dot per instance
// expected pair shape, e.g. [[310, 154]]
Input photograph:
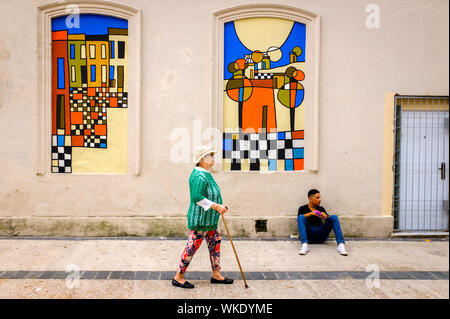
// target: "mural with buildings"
[[89, 77], [263, 107]]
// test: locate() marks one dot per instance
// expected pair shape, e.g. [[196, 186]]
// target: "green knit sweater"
[[202, 185]]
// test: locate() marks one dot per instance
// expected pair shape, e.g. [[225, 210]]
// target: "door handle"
[[442, 169]]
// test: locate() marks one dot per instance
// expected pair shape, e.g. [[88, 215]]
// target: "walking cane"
[[231, 241]]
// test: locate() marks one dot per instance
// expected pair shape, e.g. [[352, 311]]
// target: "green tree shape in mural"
[[297, 51], [292, 93], [239, 88]]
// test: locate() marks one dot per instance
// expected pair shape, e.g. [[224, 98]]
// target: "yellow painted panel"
[[67, 140], [264, 164], [112, 159], [280, 165], [230, 113], [226, 166], [245, 164], [262, 33]]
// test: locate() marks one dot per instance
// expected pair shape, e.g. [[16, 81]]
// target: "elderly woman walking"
[[203, 216]]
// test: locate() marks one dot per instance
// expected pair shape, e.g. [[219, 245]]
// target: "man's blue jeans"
[[317, 235]]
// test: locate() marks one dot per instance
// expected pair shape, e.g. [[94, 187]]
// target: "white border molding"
[[311, 82], [44, 77]]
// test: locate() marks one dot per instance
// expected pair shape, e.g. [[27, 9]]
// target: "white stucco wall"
[[408, 54]]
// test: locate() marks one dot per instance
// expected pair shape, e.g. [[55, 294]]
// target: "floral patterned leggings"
[[195, 239]]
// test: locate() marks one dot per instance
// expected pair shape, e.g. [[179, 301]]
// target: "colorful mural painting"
[[89, 95], [263, 99]]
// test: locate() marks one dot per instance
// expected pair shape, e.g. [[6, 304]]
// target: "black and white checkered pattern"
[[94, 141], [255, 146], [263, 76], [63, 154]]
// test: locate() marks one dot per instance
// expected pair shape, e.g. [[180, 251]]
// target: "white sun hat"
[[201, 151]]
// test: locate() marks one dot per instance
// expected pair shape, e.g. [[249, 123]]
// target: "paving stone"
[[422, 275], [47, 275], [206, 275], [307, 275], [237, 275], [384, 275], [332, 275], [102, 275], [441, 274], [19, 275], [154, 275], [129, 275], [141, 275], [34, 274], [8, 274], [397, 275], [192, 275], [359, 274], [116, 275], [269, 275], [166, 275], [257, 275], [63, 274], [294, 275], [88, 274], [282, 275]]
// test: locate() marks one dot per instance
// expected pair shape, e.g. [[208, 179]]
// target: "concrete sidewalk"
[[142, 268]]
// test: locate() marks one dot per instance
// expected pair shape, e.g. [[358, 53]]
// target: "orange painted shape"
[[268, 83], [300, 76], [91, 91], [253, 109], [92, 102], [233, 94], [298, 164], [59, 35], [78, 140], [78, 96], [76, 117], [298, 134], [100, 129], [87, 132], [293, 92], [241, 63], [113, 102], [94, 115]]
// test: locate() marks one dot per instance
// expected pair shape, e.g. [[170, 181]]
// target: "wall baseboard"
[[102, 226]]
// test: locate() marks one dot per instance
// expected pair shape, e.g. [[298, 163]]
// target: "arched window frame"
[[311, 82], [42, 130]]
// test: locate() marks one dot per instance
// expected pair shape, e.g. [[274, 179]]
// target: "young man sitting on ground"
[[315, 225]]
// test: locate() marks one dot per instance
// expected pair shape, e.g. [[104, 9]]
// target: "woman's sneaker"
[[304, 249], [341, 249]]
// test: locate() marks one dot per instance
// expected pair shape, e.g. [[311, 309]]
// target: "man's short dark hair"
[[312, 192]]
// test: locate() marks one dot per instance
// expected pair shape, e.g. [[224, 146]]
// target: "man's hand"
[[322, 215], [219, 208]]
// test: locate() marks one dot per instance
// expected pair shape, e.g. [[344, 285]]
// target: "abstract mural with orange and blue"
[[264, 97], [89, 80]]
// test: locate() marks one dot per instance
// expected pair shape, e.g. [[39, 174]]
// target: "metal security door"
[[421, 171]]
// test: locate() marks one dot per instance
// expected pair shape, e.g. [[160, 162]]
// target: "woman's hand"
[[220, 208]]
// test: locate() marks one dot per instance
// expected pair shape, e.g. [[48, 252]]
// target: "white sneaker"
[[341, 249], [304, 249]]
